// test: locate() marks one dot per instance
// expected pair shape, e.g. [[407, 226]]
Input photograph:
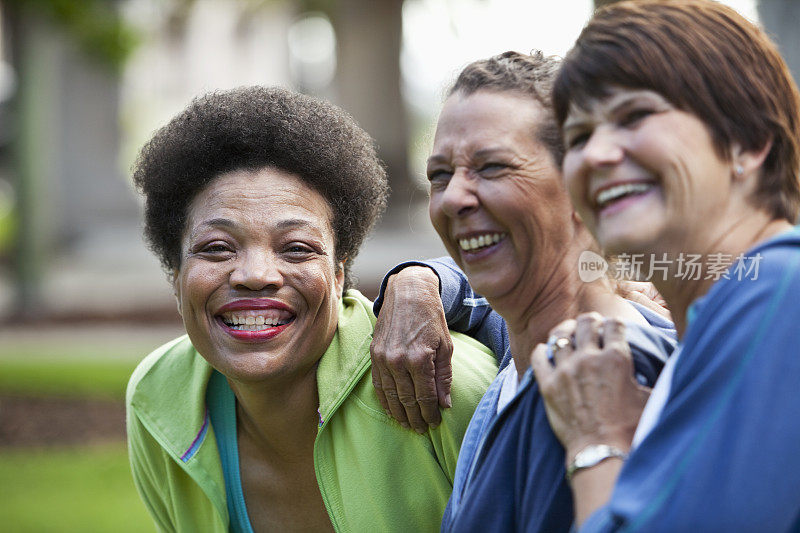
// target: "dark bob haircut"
[[251, 128], [528, 75], [707, 60]]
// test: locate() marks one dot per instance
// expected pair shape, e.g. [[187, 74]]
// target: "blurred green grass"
[[70, 368], [86, 489], [89, 378], [79, 488]]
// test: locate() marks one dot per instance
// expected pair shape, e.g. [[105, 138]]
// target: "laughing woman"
[[682, 128], [264, 416]]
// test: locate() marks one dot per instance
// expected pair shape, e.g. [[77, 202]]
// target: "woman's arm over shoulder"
[[411, 348], [723, 452], [464, 310]]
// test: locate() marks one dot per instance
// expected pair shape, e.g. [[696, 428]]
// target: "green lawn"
[[72, 489], [74, 367], [90, 377], [82, 490]]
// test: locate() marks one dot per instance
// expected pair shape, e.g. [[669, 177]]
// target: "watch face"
[[587, 457], [592, 455]]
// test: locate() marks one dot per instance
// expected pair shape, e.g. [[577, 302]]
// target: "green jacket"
[[373, 474]]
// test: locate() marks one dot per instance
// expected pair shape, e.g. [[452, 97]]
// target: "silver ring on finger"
[[554, 344]]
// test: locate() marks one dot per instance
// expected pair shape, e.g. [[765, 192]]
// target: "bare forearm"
[[592, 487]]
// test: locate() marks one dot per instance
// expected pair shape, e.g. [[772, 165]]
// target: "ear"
[[176, 290], [748, 163], [340, 277]]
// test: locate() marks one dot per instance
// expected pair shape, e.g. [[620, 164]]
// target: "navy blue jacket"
[[510, 472], [724, 452]]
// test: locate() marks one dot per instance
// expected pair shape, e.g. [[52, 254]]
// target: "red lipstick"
[[253, 336], [254, 304]]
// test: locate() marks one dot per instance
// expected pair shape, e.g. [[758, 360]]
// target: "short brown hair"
[[706, 59], [530, 75]]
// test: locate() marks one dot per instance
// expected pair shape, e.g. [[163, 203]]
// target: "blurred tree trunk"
[[68, 182], [367, 83], [29, 56], [781, 19]]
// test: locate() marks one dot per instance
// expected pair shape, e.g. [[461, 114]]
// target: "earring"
[[739, 170]]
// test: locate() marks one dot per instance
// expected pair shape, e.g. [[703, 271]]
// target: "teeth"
[[618, 191], [256, 320], [482, 241]]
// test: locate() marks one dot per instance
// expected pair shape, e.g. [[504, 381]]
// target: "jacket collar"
[[170, 396], [347, 357]]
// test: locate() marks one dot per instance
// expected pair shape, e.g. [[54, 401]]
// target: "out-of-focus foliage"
[[7, 228], [316, 5], [96, 26]]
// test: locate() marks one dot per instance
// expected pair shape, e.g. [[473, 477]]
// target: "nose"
[[257, 270], [460, 197], [603, 148]]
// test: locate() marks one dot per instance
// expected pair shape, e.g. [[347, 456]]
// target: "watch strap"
[[593, 455]]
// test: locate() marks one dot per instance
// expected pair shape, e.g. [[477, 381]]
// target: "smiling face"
[[496, 198], [259, 285], [645, 176]]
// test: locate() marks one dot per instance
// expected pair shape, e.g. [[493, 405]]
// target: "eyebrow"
[[625, 100], [572, 124], [227, 223], [293, 223], [434, 159], [219, 222], [230, 224], [480, 154]]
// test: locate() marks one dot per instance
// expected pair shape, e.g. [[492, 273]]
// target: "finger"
[[422, 371], [426, 396], [614, 335], [406, 395], [654, 295], [443, 370], [396, 409], [587, 330], [640, 298], [644, 293], [378, 385], [542, 369], [565, 330], [627, 286]]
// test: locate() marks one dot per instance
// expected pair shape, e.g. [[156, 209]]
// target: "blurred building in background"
[[84, 83], [89, 81]]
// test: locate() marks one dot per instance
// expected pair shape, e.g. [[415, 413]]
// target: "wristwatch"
[[592, 455]]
